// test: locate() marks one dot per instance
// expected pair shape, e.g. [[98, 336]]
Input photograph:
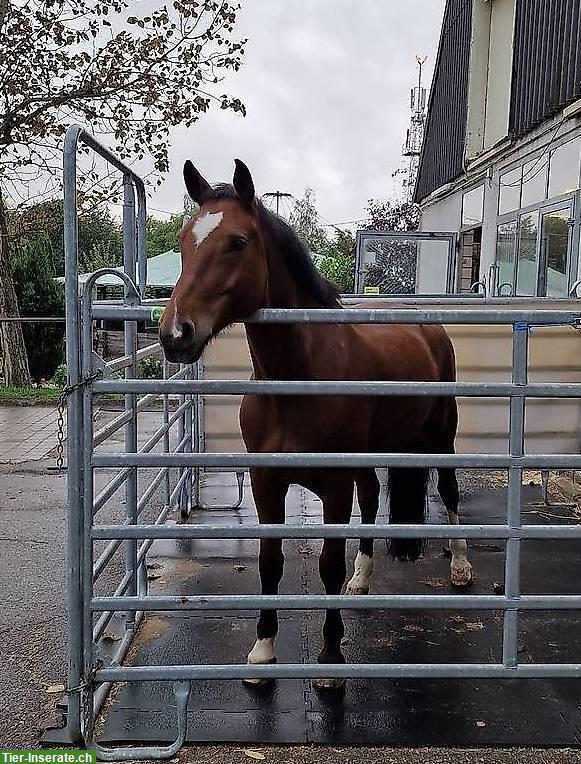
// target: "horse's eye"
[[238, 244]]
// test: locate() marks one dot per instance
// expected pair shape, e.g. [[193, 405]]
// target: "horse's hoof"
[[258, 683], [354, 589], [461, 574], [329, 685]]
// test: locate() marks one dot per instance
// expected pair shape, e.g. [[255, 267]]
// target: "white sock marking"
[[363, 569], [262, 652], [205, 224], [461, 570]]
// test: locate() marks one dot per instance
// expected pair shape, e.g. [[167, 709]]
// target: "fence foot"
[[182, 694], [240, 481]]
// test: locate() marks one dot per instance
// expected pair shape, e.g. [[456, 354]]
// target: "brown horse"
[[238, 257]]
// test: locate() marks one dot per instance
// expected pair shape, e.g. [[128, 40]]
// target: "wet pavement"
[[33, 639], [379, 712]]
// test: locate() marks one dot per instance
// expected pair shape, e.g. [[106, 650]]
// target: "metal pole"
[[130, 349], [520, 334], [74, 415]]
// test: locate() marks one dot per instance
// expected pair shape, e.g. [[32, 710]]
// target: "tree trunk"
[[14, 359]]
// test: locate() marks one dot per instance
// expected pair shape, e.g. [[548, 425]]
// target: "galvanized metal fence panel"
[[177, 473]]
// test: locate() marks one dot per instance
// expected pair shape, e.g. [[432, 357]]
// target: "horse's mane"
[[295, 254]]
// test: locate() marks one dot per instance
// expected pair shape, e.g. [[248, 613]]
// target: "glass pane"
[[555, 243], [534, 181], [505, 245], [526, 282], [564, 169], [472, 204], [390, 264], [509, 198]]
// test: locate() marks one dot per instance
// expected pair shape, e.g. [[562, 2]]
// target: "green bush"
[[59, 378], [151, 368]]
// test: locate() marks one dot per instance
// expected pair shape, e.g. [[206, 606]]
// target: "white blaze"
[[176, 329], [205, 224]]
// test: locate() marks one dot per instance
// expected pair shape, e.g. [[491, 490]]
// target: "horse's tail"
[[408, 488]]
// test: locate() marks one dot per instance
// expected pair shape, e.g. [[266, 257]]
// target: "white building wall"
[[499, 68], [443, 216]]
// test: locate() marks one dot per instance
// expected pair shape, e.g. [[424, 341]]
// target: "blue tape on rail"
[[520, 326]]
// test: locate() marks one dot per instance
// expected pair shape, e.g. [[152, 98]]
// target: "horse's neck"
[[282, 351]]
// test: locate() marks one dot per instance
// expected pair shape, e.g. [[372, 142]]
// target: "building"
[[500, 164]]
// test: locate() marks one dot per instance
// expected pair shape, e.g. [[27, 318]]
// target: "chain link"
[[62, 402]]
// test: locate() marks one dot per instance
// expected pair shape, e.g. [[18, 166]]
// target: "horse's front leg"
[[460, 568], [337, 504], [269, 493], [368, 499]]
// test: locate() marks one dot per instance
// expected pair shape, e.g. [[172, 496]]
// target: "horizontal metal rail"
[[411, 315], [115, 424], [339, 671], [335, 387], [204, 602], [127, 360], [290, 531], [337, 460]]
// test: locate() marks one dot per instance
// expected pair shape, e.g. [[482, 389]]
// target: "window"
[[505, 246], [554, 248], [527, 256], [472, 207], [564, 169], [509, 198], [534, 181]]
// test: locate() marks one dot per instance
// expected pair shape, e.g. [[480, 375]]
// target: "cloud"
[[326, 86]]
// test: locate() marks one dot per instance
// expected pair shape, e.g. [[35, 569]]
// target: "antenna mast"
[[415, 133]]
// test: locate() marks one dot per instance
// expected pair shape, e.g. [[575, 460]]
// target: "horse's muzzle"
[[185, 346]]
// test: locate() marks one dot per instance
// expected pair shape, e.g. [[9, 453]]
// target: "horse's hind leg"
[[269, 493], [368, 500], [460, 568], [337, 503]]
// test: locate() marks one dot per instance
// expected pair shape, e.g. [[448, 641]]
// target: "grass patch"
[[28, 396]]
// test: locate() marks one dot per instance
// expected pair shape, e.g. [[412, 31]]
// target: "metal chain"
[[62, 402]]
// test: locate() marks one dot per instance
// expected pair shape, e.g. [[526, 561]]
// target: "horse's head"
[[224, 272]]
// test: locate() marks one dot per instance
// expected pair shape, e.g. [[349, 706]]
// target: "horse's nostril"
[[188, 331]]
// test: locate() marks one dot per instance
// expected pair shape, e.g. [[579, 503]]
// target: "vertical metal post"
[[181, 434], [197, 445], [130, 347], [191, 374], [520, 336], [74, 414], [141, 238], [166, 437], [87, 505]]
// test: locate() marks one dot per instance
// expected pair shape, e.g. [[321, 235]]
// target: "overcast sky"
[[326, 87]]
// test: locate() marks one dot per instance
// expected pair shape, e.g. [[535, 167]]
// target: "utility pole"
[[415, 133], [278, 195]]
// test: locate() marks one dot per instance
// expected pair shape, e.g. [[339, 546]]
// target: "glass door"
[[555, 248]]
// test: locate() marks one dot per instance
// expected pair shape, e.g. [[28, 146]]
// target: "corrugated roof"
[[443, 149]]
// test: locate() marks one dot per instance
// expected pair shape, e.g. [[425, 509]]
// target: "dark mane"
[[293, 250]]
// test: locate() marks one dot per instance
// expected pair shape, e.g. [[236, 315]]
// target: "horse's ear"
[[243, 183], [198, 187]]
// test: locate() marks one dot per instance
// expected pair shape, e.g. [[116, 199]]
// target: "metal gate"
[[178, 461]]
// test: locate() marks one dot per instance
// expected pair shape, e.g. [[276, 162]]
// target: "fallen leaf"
[[481, 724], [434, 583], [476, 626], [305, 550], [54, 689], [110, 636], [252, 754], [239, 567], [153, 576]]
